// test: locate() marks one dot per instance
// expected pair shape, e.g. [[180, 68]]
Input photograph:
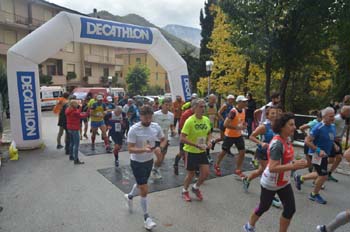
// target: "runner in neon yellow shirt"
[[196, 135]]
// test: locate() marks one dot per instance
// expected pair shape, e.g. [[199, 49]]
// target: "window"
[[88, 71], [106, 72], [10, 37], [138, 60], [51, 69], [69, 47], [70, 68]]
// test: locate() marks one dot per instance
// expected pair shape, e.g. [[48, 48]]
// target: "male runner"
[[142, 138]]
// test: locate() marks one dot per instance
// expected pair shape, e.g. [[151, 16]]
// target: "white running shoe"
[[156, 174], [150, 224], [129, 202]]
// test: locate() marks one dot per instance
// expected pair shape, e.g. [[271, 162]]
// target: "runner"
[[165, 119], [222, 114], [196, 136], [276, 176], [189, 112], [84, 121], [176, 109], [142, 140], [97, 112], [339, 220], [211, 112], [335, 157], [116, 124], [250, 113], [234, 124], [320, 143], [261, 152], [260, 114]]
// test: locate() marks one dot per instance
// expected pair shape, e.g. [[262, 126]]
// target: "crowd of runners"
[[147, 127]]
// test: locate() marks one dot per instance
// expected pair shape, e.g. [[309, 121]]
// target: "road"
[[43, 191]]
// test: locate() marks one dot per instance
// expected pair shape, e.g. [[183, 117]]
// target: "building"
[[88, 63], [131, 57]]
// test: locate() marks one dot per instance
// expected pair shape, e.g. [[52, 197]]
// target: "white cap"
[[241, 98], [99, 97], [230, 97], [194, 95], [109, 98]]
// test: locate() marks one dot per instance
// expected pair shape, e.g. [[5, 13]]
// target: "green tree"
[[155, 90], [207, 24], [192, 65], [3, 85], [137, 80]]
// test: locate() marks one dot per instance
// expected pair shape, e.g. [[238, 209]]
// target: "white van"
[[50, 95], [116, 91]]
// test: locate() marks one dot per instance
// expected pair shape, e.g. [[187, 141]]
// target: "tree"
[[137, 80], [155, 90], [3, 85], [207, 23], [45, 80], [192, 65]]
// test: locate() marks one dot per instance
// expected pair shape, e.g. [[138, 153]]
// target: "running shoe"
[[276, 202], [156, 174], [331, 178], [59, 146], [213, 144], [92, 146], [108, 149], [297, 181], [198, 193], [186, 196], [317, 198], [246, 228], [246, 184], [217, 170], [129, 203], [239, 174], [176, 170], [321, 228], [149, 224]]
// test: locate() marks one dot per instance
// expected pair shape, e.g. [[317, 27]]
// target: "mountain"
[[189, 34], [179, 44]]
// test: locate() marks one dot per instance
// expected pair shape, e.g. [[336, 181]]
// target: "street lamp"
[[209, 67], [110, 78]]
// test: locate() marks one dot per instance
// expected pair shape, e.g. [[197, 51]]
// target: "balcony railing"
[[10, 18]]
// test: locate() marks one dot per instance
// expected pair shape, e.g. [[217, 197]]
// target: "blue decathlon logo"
[[28, 105], [103, 30], [186, 87]]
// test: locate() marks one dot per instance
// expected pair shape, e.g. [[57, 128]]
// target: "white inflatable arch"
[[23, 59]]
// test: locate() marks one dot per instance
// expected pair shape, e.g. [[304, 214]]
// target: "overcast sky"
[[158, 12]]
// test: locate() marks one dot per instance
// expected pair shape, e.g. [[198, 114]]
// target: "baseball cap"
[[99, 97], [241, 98], [194, 95], [230, 97], [109, 98]]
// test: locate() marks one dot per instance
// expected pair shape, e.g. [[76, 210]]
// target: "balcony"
[[13, 19], [103, 60]]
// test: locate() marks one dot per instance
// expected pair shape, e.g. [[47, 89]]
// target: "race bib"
[[201, 141], [286, 175], [118, 127], [316, 159]]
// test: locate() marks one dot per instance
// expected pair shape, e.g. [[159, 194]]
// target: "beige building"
[[89, 62], [132, 57]]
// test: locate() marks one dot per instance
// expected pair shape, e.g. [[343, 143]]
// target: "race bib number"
[[118, 127], [201, 141], [316, 159]]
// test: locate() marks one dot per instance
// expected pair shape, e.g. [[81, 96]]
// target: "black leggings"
[[287, 198]]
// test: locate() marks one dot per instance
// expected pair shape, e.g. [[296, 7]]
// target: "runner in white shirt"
[[260, 114], [142, 138], [165, 119]]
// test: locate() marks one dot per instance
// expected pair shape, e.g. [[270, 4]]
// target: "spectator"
[[249, 116], [57, 110]]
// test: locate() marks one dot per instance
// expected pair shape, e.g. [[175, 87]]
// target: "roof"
[[53, 5]]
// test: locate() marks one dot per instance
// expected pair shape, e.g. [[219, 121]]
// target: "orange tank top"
[[239, 119]]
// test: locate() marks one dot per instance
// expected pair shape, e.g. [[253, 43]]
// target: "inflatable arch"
[[23, 59]]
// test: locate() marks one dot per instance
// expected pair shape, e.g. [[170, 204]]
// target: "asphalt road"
[[43, 191]]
